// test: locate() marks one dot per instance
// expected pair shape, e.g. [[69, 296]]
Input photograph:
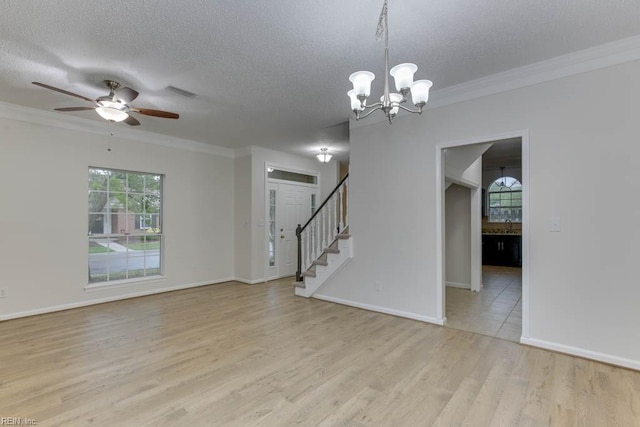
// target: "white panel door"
[[293, 208]]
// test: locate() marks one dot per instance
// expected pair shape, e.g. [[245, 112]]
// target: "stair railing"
[[321, 229]]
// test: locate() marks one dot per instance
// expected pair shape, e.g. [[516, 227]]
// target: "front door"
[[293, 207]]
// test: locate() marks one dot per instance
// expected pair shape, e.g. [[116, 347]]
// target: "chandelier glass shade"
[[390, 103], [323, 156]]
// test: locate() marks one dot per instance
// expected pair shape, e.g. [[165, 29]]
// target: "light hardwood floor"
[[239, 355], [495, 311]]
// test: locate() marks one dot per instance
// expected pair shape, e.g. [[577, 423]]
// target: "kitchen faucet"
[[508, 225]]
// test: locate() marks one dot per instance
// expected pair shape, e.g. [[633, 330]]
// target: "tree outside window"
[[125, 224]]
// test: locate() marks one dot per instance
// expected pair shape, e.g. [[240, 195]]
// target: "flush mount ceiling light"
[[324, 156], [390, 103]]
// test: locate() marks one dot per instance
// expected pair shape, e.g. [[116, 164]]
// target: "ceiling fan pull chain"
[[110, 135]]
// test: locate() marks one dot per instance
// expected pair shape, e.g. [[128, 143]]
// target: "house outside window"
[[505, 200], [125, 225]]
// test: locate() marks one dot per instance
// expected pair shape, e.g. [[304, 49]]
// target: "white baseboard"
[[384, 310], [581, 352], [458, 285], [108, 299], [249, 282]]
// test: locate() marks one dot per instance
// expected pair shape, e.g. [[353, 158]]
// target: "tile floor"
[[494, 311]]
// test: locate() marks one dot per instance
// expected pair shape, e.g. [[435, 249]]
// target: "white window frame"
[[129, 235], [509, 191]]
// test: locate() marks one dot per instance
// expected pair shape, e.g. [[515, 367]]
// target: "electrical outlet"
[[4, 292], [378, 285]]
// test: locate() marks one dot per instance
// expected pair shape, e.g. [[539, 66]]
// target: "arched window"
[[505, 200]]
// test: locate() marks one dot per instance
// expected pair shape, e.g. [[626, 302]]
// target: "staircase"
[[324, 242], [333, 257]]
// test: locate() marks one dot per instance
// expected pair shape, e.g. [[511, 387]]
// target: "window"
[[505, 200], [125, 225], [291, 176], [272, 228], [313, 203]]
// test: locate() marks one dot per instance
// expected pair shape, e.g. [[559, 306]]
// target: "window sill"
[[502, 222], [101, 286]]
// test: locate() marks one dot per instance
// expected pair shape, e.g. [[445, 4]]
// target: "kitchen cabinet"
[[502, 249]]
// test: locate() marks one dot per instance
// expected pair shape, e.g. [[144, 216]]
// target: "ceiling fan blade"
[[74, 109], [66, 92], [125, 94], [155, 113], [132, 121]]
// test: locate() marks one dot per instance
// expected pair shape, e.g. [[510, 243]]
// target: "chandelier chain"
[[383, 24]]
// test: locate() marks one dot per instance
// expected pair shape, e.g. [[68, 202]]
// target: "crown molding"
[[50, 118], [582, 61], [243, 151]]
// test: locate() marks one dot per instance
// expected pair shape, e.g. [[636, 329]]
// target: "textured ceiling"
[[274, 73]]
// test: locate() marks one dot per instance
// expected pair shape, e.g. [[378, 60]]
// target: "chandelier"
[[390, 103]]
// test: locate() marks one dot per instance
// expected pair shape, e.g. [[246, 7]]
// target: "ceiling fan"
[[115, 106]]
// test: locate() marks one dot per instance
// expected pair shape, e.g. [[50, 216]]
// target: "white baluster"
[[308, 231], [324, 228], [338, 211], [341, 213], [313, 239], [303, 243], [330, 220], [334, 215], [329, 232], [346, 208], [310, 242], [329, 217], [318, 243]]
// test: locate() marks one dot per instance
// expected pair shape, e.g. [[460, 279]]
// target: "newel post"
[[299, 269]]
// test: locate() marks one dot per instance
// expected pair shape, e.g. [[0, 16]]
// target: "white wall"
[[43, 219], [328, 174], [242, 218], [464, 164], [584, 289], [458, 236]]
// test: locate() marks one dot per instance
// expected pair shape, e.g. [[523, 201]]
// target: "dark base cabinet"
[[503, 250]]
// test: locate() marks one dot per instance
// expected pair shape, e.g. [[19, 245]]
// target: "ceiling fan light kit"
[[113, 111], [390, 103], [115, 106]]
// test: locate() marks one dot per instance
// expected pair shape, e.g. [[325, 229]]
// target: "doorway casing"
[[272, 273], [476, 256]]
